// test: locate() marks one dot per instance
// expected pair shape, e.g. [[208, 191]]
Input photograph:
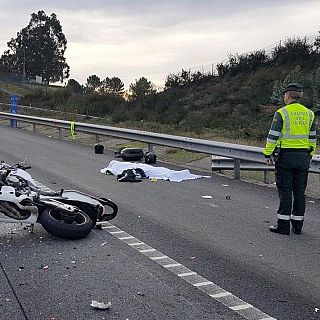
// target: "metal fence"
[[235, 151]]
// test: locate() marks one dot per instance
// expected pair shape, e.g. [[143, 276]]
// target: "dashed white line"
[[221, 294], [206, 286], [172, 265], [135, 244], [126, 238], [159, 258], [186, 274], [200, 284], [241, 307], [147, 250]]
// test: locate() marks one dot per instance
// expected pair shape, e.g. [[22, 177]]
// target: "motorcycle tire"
[[80, 228]]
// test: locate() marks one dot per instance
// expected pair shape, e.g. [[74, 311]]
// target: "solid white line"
[[159, 258], [187, 274], [136, 244], [172, 265], [147, 250], [221, 294], [125, 238], [200, 284], [241, 307], [116, 232], [109, 227]]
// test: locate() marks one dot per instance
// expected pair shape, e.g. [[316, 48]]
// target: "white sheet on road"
[[161, 173]]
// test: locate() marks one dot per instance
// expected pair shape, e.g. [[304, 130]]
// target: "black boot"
[[283, 227], [296, 226]]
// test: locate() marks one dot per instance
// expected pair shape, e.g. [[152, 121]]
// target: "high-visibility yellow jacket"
[[293, 126]]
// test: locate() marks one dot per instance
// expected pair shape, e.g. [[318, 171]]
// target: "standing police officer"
[[292, 142]]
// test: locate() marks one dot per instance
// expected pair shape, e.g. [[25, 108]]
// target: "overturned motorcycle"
[[68, 214]]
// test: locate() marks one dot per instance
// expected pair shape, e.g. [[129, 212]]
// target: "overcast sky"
[[152, 38]]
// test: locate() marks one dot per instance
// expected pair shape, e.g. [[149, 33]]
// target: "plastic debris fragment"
[[100, 305]]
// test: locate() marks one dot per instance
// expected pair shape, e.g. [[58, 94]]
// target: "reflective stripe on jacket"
[[293, 126]]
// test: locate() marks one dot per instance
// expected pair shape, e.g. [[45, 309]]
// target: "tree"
[[141, 88], [74, 86], [112, 85], [93, 83], [317, 43], [38, 50]]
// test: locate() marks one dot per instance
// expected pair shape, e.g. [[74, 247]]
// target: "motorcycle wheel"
[[51, 220]]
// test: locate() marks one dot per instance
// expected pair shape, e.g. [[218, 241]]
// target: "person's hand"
[[269, 162]]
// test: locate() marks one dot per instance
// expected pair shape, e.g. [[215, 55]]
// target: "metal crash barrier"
[[242, 157]]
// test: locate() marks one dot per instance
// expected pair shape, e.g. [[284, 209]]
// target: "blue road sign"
[[13, 109]]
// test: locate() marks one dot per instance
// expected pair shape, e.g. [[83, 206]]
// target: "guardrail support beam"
[[150, 147], [236, 170], [34, 128], [60, 133], [266, 177], [97, 138]]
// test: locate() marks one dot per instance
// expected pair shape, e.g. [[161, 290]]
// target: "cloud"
[[134, 38]]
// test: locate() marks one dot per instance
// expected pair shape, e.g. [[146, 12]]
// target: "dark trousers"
[[291, 179]]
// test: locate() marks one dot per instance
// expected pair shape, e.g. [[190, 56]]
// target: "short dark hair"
[[296, 95]]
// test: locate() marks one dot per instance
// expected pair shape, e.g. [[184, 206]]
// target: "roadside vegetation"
[[234, 103]]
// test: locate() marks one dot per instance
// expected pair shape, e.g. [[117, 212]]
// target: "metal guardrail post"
[[150, 147], [236, 170], [266, 177], [97, 138], [34, 128], [60, 133]]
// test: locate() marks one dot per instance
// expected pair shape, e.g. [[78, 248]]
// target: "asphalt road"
[[183, 238]]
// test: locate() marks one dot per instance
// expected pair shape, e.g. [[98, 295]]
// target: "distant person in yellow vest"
[[291, 144]]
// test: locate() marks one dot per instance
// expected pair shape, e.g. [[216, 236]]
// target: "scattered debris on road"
[[100, 305]]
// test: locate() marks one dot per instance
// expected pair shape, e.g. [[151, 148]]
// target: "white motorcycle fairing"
[[11, 205]]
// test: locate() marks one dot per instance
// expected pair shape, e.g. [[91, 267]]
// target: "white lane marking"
[[125, 238], [104, 243], [172, 265], [159, 258], [186, 274], [213, 291], [200, 284], [147, 250], [135, 244], [220, 295], [241, 307], [116, 232]]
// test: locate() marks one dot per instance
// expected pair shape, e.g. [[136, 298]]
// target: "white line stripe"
[[221, 294], [241, 307], [259, 315], [172, 265], [147, 250], [200, 284], [136, 244], [158, 258], [125, 238], [116, 232], [187, 274]]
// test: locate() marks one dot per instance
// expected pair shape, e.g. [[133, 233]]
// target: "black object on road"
[[150, 157], [98, 148], [131, 154]]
